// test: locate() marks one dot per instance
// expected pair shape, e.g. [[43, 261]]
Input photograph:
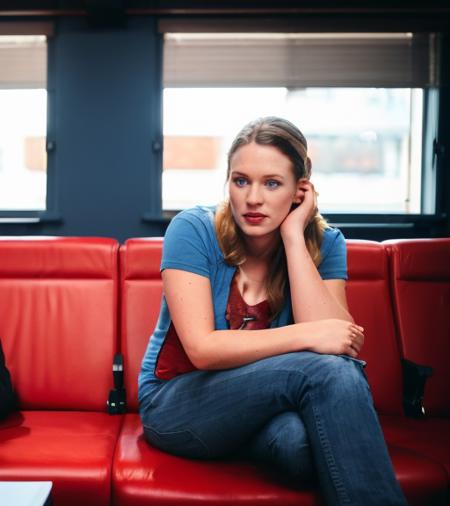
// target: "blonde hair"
[[282, 134]]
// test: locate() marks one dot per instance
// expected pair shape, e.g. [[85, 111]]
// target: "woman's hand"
[[298, 219], [336, 337]]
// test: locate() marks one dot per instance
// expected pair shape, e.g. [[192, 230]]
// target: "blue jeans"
[[305, 414]]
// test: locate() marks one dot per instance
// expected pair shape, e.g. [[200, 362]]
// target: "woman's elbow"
[[200, 363], [200, 358]]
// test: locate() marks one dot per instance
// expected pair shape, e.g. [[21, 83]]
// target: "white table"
[[24, 493]]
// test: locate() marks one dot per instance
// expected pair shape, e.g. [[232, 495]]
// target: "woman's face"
[[262, 189]]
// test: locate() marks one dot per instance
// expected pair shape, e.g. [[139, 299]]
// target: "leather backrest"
[[58, 319], [141, 292], [421, 289], [368, 294]]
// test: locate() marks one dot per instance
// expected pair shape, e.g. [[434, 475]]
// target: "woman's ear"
[[299, 194]]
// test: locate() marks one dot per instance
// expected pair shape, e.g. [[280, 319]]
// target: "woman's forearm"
[[223, 349], [311, 299]]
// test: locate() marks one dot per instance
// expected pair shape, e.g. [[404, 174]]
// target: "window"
[[358, 98], [23, 122]]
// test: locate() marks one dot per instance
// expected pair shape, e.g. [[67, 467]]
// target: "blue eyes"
[[271, 184], [240, 181]]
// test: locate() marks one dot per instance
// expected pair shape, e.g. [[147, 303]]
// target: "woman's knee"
[[283, 443], [287, 429], [318, 369], [342, 375], [295, 375]]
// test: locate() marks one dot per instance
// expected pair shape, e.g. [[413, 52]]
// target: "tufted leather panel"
[[141, 291], [58, 320], [58, 325], [55, 257], [369, 302], [421, 290]]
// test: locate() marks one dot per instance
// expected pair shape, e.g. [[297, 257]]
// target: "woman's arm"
[[190, 304], [312, 297]]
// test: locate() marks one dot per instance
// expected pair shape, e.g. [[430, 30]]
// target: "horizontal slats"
[[298, 60], [23, 62]]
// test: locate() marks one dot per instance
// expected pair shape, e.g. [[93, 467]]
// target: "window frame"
[[51, 212], [433, 159]]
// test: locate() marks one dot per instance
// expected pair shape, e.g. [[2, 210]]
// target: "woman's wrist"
[[296, 239], [303, 335]]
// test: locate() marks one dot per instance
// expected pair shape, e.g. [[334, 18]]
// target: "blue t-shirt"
[[190, 244]]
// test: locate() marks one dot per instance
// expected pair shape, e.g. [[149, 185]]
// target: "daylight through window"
[[358, 98], [23, 122]]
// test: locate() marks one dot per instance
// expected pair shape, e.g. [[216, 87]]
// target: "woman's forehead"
[[260, 156]]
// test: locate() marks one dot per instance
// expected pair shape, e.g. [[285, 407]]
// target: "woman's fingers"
[[337, 336], [352, 352], [356, 338]]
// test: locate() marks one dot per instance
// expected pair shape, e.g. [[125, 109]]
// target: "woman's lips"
[[254, 218]]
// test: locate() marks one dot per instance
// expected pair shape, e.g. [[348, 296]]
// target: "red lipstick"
[[254, 218]]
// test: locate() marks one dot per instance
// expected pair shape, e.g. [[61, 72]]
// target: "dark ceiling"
[[59, 7]]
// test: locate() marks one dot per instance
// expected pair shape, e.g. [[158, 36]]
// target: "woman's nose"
[[254, 195]]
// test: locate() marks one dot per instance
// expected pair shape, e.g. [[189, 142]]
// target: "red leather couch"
[[58, 326], [420, 285], [67, 305]]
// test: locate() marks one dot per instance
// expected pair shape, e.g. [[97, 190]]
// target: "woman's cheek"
[[284, 213]]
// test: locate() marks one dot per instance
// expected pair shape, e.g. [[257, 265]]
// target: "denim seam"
[[327, 451], [168, 433]]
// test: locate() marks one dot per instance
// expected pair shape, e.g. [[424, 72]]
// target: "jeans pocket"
[[183, 443]]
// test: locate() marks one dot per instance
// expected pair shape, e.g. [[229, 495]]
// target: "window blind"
[[23, 61], [299, 60]]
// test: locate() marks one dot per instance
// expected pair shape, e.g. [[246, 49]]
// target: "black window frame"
[[377, 225], [51, 212]]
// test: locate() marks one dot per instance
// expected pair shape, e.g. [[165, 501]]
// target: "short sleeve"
[[185, 245], [334, 255]]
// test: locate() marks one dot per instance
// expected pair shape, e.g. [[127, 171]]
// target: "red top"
[[172, 359]]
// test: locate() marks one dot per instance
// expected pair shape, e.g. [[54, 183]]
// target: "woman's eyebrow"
[[279, 176], [266, 176]]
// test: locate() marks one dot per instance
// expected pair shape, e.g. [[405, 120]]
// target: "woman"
[[255, 351]]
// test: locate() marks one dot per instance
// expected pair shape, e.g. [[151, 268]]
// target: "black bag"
[[414, 379], [7, 396]]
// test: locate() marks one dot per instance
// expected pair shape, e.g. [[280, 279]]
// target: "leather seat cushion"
[[144, 475], [74, 450], [429, 436]]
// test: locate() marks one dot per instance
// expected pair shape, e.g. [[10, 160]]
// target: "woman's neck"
[[261, 247], [252, 274]]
